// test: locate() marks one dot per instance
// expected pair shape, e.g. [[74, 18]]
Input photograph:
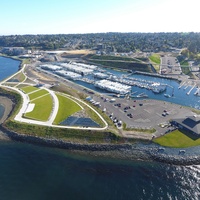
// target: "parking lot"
[[170, 65], [142, 114]]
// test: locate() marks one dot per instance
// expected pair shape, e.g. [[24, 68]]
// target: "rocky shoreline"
[[127, 151]]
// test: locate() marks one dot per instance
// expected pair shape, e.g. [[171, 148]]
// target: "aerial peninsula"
[[96, 99]]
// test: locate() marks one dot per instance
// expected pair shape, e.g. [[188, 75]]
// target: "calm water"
[[8, 67], [180, 94], [31, 172]]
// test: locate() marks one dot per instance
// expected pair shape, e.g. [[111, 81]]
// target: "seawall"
[[137, 151]]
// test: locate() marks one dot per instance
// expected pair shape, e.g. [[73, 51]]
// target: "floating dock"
[[113, 86]]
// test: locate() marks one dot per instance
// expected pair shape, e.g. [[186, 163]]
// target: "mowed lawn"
[[42, 110], [155, 58], [29, 89], [67, 107], [177, 139], [37, 94]]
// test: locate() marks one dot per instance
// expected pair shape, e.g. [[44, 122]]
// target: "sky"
[[97, 16]]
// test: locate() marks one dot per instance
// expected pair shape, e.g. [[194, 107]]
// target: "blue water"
[[32, 172], [180, 95], [29, 172], [8, 67]]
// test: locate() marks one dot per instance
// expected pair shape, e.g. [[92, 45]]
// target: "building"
[[190, 124]]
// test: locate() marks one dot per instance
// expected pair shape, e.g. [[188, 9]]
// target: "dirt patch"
[[135, 134], [40, 76], [83, 51], [76, 53]]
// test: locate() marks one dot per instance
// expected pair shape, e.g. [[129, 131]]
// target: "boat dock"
[[197, 93], [186, 87], [188, 93], [181, 85]]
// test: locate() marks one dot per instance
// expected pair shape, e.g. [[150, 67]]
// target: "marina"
[[85, 170], [74, 67], [113, 87], [68, 74], [122, 84], [191, 89]]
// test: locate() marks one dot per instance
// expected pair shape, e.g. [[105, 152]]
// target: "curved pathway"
[[55, 107], [26, 101]]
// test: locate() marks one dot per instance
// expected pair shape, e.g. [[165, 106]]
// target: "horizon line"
[[142, 32]]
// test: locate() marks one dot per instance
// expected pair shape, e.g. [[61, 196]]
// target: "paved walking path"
[[49, 122]]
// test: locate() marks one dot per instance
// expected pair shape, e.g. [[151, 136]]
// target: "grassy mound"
[[67, 107]]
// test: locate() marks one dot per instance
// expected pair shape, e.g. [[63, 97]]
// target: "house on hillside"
[[190, 124]]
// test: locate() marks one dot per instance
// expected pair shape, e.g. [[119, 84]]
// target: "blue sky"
[[92, 16]]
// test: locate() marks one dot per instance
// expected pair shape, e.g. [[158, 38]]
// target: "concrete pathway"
[[26, 101]]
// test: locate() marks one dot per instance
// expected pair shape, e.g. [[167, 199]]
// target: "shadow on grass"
[[190, 135]]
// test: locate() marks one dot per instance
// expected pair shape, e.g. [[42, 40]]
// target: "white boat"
[[167, 95]]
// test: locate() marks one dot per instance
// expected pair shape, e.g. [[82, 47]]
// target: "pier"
[[186, 87], [181, 85], [197, 92], [191, 89]]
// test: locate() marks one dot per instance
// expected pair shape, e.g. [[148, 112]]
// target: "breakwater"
[[176, 160], [157, 75], [137, 151], [59, 143]]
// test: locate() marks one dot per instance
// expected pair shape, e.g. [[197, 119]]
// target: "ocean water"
[[31, 172]]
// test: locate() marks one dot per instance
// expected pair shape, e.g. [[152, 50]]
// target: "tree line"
[[118, 42]]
